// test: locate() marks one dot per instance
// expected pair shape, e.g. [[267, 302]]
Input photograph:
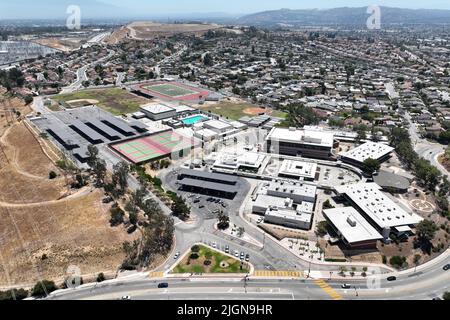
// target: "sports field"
[[153, 147], [170, 90]]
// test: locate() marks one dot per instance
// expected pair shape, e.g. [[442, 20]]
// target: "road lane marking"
[[278, 274], [328, 290], [156, 274]]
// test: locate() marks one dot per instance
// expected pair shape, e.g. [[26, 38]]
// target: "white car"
[[214, 245], [236, 253], [177, 255], [126, 298]]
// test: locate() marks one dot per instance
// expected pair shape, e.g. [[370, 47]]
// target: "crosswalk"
[[158, 274], [329, 290], [287, 274]]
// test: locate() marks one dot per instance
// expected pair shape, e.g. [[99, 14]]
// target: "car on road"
[[247, 257], [392, 278], [201, 206], [346, 286], [236, 253], [227, 249], [260, 220], [446, 267], [176, 256], [214, 245], [163, 285], [126, 298]]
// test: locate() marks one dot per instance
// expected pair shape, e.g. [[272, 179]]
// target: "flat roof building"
[[217, 126], [299, 170], [158, 111], [247, 161], [380, 210], [368, 150], [299, 142], [352, 228], [391, 182], [299, 192], [289, 218]]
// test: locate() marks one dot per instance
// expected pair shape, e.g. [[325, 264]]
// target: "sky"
[[48, 9], [251, 6]]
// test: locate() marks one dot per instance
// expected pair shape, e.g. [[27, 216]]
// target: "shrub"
[[195, 248], [398, 262], [194, 256], [14, 294], [42, 288], [207, 262], [52, 175], [101, 277]]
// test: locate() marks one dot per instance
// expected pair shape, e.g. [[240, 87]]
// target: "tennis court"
[[171, 91], [153, 147]]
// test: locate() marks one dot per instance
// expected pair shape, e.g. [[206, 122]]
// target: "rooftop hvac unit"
[[351, 221]]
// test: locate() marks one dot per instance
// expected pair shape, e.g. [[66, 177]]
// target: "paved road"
[[427, 283]]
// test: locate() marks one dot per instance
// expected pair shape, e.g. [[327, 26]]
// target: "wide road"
[[425, 284]]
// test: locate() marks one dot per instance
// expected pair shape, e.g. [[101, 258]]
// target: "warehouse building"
[[248, 161], [352, 228], [379, 210], [299, 142]]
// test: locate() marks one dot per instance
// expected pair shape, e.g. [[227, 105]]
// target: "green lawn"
[[235, 111], [197, 265], [114, 100], [170, 90]]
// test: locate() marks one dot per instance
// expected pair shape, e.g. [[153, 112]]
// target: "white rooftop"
[[217, 124], [368, 150], [301, 136], [248, 159], [378, 206], [298, 168], [292, 188], [289, 214], [206, 133], [352, 225], [266, 201], [183, 108], [157, 108]]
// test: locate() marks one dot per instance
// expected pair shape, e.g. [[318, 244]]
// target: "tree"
[[322, 228], [224, 221], [426, 230], [14, 294], [327, 204], [99, 170], [120, 177], [416, 260], [446, 295], [101, 277], [43, 288], [92, 154], [52, 175], [371, 165], [117, 215], [398, 262], [179, 208], [208, 60]]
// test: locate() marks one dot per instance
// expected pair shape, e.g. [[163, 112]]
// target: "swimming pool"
[[193, 120]]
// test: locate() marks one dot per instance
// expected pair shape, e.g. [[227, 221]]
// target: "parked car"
[[392, 278], [345, 286], [242, 256], [236, 253], [126, 298], [163, 285], [196, 201], [227, 249], [201, 206], [247, 257], [260, 220], [176, 256], [446, 267], [214, 245]]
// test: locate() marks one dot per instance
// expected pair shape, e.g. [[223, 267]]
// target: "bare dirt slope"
[[44, 226]]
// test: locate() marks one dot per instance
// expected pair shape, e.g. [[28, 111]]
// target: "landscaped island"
[[205, 260]]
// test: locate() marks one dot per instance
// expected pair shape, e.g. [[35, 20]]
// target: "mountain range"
[[345, 16]]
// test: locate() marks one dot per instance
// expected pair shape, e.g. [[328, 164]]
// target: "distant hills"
[[344, 16]]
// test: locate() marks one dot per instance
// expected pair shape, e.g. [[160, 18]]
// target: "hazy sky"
[[246, 6], [47, 9]]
